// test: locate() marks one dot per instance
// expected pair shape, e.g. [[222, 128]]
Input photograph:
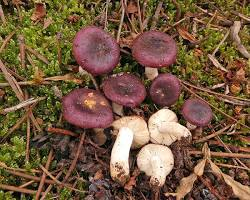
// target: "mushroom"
[[197, 113], [132, 133], [87, 108], [95, 50], [154, 49], [157, 161], [165, 89], [124, 90], [164, 128]]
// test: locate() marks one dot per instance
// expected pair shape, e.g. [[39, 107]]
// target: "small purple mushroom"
[[165, 89], [125, 90], [197, 113], [95, 50], [154, 49], [87, 108]]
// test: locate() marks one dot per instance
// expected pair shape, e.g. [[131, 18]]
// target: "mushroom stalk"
[[119, 164], [191, 126], [99, 136], [118, 109], [159, 175], [151, 73]]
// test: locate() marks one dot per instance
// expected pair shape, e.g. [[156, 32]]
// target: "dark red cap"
[[165, 89], [154, 49], [124, 89], [197, 112], [87, 108], [95, 50]]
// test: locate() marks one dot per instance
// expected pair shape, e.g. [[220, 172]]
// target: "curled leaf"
[[39, 12]]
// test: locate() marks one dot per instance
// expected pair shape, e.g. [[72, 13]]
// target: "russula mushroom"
[[124, 90], [197, 113], [154, 49], [165, 89], [132, 133], [87, 108], [164, 128], [157, 161], [95, 50]]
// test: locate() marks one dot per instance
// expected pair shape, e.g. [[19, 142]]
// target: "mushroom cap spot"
[[197, 112], [157, 170], [154, 49], [165, 89], [124, 89], [87, 108], [164, 128], [95, 50], [137, 125]]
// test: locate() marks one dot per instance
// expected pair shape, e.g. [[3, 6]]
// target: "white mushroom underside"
[[119, 165], [156, 161], [167, 132], [138, 126]]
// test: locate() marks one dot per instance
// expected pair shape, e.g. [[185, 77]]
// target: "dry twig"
[[22, 49], [37, 54], [2, 15], [156, 15], [6, 40], [62, 131], [222, 154], [40, 187]]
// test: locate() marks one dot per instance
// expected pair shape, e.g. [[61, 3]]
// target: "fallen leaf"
[[132, 8], [186, 35], [39, 12], [186, 183], [47, 22], [2, 93], [198, 52], [241, 191], [237, 109], [132, 181]]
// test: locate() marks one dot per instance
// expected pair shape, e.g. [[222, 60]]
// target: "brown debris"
[[39, 12]]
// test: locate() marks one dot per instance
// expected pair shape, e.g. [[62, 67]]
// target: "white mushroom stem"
[[151, 73], [118, 109], [119, 163], [158, 177], [191, 126]]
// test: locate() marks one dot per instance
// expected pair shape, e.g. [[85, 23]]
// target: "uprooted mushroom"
[[157, 161], [164, 127], [132, 133]]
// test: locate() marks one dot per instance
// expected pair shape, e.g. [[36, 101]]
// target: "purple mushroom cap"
[[165, 89], [124, 89], [197, 112], [95, 50], [154, 49], [87, 108]]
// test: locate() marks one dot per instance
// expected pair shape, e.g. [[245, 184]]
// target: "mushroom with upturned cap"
[[154, 49], [132, 133], [165, 89], [95, 50], [164, 127], [197, 113], [157, 161], [124, 90]]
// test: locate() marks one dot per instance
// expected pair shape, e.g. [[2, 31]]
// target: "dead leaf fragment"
[[240, 75], [186, 35], [241, 191], [216, 63], [47, 22], [39, 12]]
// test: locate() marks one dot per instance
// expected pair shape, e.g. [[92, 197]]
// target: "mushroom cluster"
[[98, 53]]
